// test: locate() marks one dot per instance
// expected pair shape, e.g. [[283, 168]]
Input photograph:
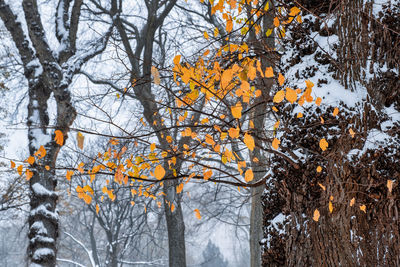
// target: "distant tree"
[[212, 256]]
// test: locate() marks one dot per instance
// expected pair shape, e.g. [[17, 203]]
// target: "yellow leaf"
[[205, 35], [390, 185], [291, 95], [319, 169], [322, 186], [248, 175], [172, 207], [159, 172], [274, 109], [59, 137], [97, 208], [47, 167], [316, 215], [279, 96], [80, 138], [322, 120], [323, 144], [318, 101], [352, 133], [156, 75], [19, 169], [276, 125], [269, 72], [299, 115], [266, 6], [29, 174], [12, 164], [352, 201], [281, 79], [31, 160], [237, 110], [249, 141], [363, 208], [335, 112], [229, 25], [269, 32], [197, 213], [275, 143], [276, 22], [330, 207]]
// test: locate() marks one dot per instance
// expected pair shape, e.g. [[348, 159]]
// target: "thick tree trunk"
[[362, 227]]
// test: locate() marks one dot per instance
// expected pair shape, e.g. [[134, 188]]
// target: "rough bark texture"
[[48, 73], [347, 236]]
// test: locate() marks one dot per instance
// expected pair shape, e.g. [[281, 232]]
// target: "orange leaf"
[[249, 141], [248, 175], [330, 207], [156, 75], [59, 137], [172, 207], [322, 186], [390, 185], [275, 143], [68, 175], [276, 125], [97, 208], [319, 169], [352, 133], [352, 201], [159, 172], [318, 101], [29, 174], [233, 132], [40, 153], [291, 95], [207, 174], [177, 59], [281, 79], [205, 35], [309, 84], [323, 144], [299, 115], [12, 164], [237, 110], [153, 146], [197, 213], [30, 160], [269, 72], [276, 22], [209, 140], [335, 112], [279, 96], [19, 169], [47, 167], [87, 199], [294, 11], [316, 215], [80, 138], [274, 109], [363, 208]]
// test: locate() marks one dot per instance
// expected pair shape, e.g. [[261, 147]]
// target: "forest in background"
[[199, 133]]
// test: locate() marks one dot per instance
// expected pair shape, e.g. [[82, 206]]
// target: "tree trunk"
[[264, 48], [358, 223]]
